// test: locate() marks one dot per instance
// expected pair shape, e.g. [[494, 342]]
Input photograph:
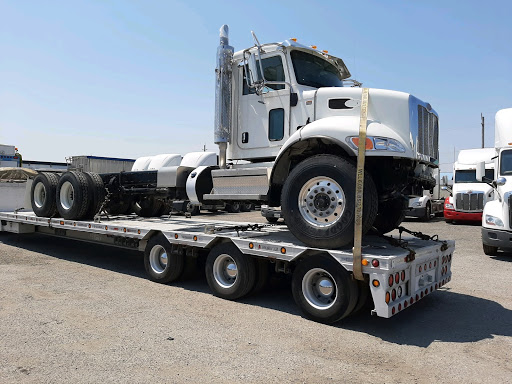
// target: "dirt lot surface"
[[73, 312]]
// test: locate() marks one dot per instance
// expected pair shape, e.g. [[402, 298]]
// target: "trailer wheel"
[[365, 297], [391, 213], [490, 250], [147, 207], [318, 201], [72, 195], [324, 290], [162, 265], [96, 193], [229, 273], [42, 194]]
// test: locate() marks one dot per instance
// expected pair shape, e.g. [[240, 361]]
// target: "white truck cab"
[[469, 195], [497, 214]]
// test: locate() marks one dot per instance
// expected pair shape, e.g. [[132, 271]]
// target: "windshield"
[[314, 71], [506, 163], [469, 176]]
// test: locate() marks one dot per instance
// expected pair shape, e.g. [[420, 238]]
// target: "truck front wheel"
[[318, 201], [324, 290], [490, 250], [391, 214]]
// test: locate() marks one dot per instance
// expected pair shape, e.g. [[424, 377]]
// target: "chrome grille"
[[428, 133], [469, 202]]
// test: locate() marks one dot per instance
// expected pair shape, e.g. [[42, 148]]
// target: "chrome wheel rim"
[[321, 201], [225, 271], [319, 288], [67, 195], [158, 259], [39, 195]]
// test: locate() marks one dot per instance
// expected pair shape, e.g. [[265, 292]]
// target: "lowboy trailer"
[[238, 258]]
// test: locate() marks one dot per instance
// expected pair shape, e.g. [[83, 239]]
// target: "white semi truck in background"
[[468, 195], [497, 213], [428, 205], [283, 110]]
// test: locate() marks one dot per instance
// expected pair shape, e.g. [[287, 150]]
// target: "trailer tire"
[[272, 220], [230, 274], [365, 297], [96, 193], [324, 290], [162, 265], [390, 216], [147, 207], [42, 194], [490, 250], [72, 195], [262, 275], [318, 201], [233, 208]]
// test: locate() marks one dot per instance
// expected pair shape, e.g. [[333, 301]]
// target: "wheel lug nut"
[[328, 192]]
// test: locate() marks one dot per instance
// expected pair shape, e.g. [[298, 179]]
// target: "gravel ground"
[[73, 312]]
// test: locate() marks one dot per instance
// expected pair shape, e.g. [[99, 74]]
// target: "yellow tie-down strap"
[[357, 267]]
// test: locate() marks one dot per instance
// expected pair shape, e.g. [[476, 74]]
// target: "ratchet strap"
[[357, 267]]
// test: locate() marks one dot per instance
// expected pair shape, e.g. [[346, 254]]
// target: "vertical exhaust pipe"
[[223, 102]]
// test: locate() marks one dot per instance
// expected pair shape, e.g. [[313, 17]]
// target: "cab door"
[[264, 120]]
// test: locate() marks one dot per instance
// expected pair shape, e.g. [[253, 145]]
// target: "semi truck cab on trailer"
[[497, 214], [283, 109]]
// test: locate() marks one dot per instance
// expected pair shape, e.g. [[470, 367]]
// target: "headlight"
[[492, 220], [448, 206], [377, 144], [417, 204]]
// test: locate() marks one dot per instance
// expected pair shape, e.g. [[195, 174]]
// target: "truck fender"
[[199, 182]]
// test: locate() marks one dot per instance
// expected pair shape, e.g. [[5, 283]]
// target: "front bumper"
[[416, 212], [497, 238], [450, 214]]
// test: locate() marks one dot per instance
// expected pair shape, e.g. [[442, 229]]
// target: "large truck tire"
[[324, 290], [147, 207], [96, 194], [230, 274], [246, 207], [72, 195], [193, 209], [162, 265], [43, 194], [390, 216], [428, 212], [490, 250], [233, 207], [318, 201]]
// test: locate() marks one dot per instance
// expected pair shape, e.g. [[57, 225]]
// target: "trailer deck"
[[398, 276]]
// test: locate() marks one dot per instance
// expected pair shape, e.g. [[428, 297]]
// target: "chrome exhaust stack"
[[223, 102]]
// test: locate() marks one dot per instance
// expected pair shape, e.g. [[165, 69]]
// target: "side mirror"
[[500, 181], [253, 75], [480, 171]]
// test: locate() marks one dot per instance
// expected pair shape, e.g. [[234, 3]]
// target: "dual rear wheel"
[[72, 196]]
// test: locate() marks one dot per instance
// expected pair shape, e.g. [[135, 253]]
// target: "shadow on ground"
[[443, 316]]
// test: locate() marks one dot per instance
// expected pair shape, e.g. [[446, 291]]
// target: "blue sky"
[[135, 78]]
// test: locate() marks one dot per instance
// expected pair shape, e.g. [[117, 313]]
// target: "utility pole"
[[483, 128]]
